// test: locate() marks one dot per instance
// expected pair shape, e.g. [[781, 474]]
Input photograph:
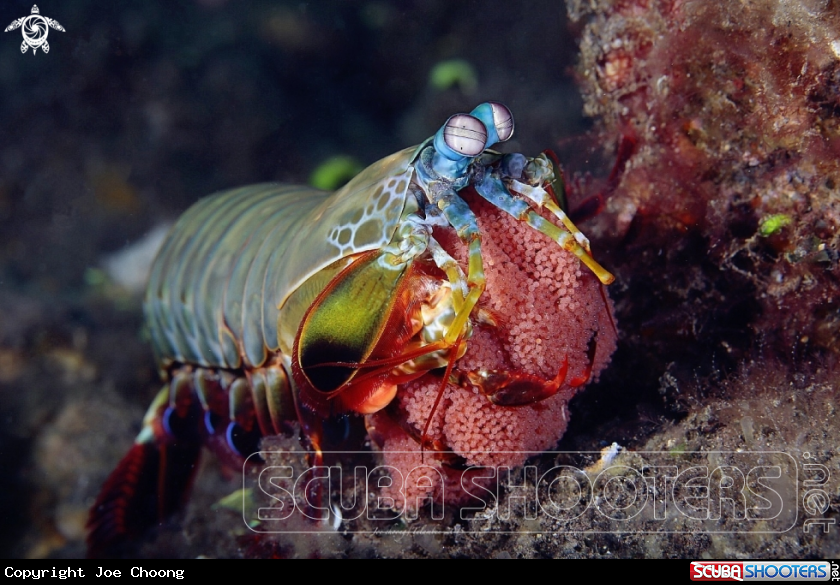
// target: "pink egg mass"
[[543, 312]]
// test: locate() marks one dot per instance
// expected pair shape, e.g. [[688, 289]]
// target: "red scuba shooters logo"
[[762, 571], [717, 571]]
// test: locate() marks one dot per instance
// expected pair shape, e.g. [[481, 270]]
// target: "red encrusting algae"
[[736, 111]]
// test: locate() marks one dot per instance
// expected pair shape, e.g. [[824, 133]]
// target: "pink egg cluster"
[[542, 308]]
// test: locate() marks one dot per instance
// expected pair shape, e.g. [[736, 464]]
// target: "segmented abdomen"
[[215, 285]]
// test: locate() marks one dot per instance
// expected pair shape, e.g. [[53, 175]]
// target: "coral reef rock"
[[736, 110]]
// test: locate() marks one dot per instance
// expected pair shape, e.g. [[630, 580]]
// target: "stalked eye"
[[503, 120], [465, 134]]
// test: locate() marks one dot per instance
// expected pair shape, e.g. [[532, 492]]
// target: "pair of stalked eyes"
[[467, 135]]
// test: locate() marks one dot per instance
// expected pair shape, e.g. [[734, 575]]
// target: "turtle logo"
[[35, 28]]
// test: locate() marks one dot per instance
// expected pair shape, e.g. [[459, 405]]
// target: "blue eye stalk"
[[465, 136], [497, 119]]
